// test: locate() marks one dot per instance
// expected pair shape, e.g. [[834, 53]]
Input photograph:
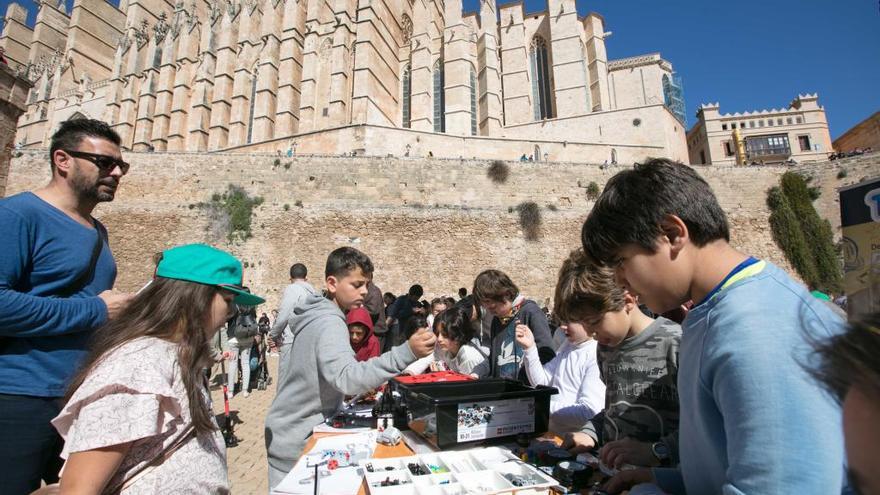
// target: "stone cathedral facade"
[[376, 77]]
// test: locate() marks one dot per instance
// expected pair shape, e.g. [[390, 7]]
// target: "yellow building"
[[799, 133]]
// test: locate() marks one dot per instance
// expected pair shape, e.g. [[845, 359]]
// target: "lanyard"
[[740, 267]]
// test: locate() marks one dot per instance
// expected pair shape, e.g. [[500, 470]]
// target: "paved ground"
[[247, 460]]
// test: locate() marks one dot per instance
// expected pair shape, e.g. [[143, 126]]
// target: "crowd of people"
[[740, 388]]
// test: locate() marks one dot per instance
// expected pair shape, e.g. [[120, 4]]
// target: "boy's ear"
[[675, 231], [332, 282], [630, 302]]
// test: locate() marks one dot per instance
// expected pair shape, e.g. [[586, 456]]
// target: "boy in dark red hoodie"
[[360, 329]]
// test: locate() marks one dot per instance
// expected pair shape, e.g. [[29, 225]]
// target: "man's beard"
[[90, 190]]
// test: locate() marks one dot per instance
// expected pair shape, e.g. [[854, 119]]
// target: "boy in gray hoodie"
[[321, 368]]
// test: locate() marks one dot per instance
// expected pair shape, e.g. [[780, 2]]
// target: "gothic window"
[[250, 127], [541, 91], [473, 85], [439, 97], [407, 97]]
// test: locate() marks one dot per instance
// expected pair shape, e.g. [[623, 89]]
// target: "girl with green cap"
[[138, 417]]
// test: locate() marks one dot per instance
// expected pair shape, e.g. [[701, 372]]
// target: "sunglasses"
[[105, 163]]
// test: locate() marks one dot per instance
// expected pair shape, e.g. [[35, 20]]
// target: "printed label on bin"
[[497, 418]]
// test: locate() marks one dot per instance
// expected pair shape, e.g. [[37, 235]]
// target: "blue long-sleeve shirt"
[[43, 336], [752, 420]]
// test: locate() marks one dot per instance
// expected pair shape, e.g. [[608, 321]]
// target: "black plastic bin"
[[448, 414]]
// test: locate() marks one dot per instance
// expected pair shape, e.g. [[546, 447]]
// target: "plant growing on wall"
[[230, 213], [498, 172], [530, 219], [805, 238], [593, 190]]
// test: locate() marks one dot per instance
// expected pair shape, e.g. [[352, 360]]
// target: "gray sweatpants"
[[232, 373]]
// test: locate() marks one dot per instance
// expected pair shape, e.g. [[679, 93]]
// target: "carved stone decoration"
[[406, 26], [251, 6], [232, 8], [275, 3], [191, 17], [161, 28], [141, 34], [325, 49], [213, 12]]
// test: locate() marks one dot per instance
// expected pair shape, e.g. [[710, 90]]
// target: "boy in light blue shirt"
[[752, 420]]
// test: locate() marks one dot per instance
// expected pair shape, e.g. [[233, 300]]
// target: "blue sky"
[[750, 54]]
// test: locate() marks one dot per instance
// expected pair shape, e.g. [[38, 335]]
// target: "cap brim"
[[243, 297]]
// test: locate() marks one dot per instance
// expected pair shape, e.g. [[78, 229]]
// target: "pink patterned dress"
[[136, 394]]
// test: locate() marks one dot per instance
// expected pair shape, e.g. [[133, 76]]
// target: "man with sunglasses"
[[56, 280]]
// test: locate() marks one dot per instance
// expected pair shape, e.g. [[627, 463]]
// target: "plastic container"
[[452, 413]]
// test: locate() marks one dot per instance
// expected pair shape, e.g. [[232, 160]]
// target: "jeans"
[[244, 355], [30, 446]]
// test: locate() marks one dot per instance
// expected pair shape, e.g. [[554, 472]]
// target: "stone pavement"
[[247, 461]]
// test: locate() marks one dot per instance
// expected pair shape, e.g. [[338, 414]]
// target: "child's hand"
[[577, 442], [627, 451], [627, 479], [422, 343], [524, 337]]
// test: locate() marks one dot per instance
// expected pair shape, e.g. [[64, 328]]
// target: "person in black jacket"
[[496, 292]]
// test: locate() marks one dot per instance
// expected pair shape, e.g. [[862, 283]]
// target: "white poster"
[[491, 419]]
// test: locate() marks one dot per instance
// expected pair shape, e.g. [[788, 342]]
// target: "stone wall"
[[865, 134], [436, 222], [13, 91]]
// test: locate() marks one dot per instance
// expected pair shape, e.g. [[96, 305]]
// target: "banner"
[[860, 221]]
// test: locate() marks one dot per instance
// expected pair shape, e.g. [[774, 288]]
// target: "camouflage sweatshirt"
[[641, 395]]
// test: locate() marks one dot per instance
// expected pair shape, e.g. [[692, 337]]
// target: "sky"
[[748, 54]]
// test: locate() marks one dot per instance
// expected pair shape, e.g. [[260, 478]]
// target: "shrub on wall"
[[804, 237], [230, 213], [530, 219], [593, 190], [498, 172]]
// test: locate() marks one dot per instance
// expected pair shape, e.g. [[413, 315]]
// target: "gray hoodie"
[[320, 371]]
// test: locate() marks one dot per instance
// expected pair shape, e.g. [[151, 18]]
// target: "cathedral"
[[374, 77]]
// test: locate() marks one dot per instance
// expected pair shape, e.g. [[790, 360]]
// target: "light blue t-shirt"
[[752, 419]]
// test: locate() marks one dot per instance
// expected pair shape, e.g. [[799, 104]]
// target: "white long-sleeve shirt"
[[575, 373]]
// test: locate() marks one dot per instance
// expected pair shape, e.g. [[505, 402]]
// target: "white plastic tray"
[[476, 471]]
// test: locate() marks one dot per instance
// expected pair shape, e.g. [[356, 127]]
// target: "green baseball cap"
[[206, 265]]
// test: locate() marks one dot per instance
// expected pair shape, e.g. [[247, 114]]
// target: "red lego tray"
[[435, 377]]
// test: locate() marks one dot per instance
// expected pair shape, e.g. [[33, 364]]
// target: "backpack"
[[245, 326]]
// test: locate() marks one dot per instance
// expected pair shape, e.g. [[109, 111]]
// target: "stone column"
[[569, 77], [597, 62], [267, 72], [164, 94], [290, 69], [342, 72], [199, 117], [489, 76], [188, 37], [422, 80], [243, 84], [457, 70], [224, 69], [515, 62]]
